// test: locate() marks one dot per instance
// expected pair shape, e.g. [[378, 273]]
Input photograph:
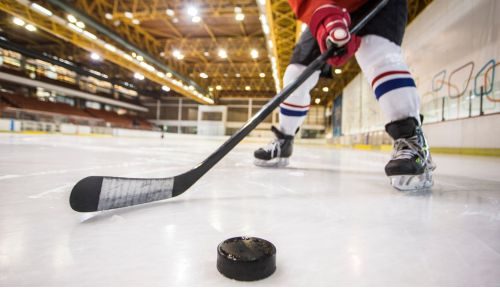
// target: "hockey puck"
[[246, 258]]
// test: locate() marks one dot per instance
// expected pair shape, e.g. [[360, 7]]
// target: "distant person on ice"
[[377, 48]]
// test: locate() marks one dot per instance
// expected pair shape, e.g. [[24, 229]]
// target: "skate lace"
[[407, 148], [274, 145]]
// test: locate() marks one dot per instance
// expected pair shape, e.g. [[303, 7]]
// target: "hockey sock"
[[384, 67], [294, 110]]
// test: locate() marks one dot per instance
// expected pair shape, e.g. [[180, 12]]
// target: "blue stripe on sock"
[[393, 84], [292, 113]]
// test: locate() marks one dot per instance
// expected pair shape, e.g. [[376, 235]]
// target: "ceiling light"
[[95, 56], [211, 89], [262, 75], [110, 47], [203, 75], [139, 58], [338, 71], [247, 88], [162, 54], [175, 20], [165, 88], [325, 89], [30, 27], [239, 17], [136, 22], [317, 100], [75, 28], [254, 53], [206, 53], [218, 87], [238, 75], [169, 75], [80, 24], [222, 53], [18, 22], [138, 76], [160, 74], [129, 15], [41, 9], [191, 88], [196, 19], [89, 35], [108, 16], [192, 11], [237, 9], [71, 18], [170, 12], [177, 54]]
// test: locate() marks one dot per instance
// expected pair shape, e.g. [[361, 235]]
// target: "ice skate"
[[411, 165], [277, 152]]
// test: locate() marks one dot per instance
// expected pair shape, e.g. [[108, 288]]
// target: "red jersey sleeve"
[[304, 9]]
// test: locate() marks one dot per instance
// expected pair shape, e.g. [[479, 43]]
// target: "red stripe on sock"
[[388, 74], [297, 106]]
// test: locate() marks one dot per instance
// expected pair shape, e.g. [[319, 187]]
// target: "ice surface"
[[332, 216]]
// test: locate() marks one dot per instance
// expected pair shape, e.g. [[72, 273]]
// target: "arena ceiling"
[[202, 49]]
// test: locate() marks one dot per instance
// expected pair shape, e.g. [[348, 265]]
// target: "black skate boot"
[[276, 153], [411, 166]]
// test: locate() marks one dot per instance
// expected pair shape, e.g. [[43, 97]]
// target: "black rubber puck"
[[246, 258]]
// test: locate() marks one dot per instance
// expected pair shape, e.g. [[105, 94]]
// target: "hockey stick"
[[96, 193]]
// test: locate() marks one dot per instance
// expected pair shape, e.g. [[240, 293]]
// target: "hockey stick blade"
[[97, 193]]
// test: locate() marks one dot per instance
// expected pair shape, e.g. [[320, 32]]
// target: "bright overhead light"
[[238, 75], [254, 53], [75, 28], [237, 9], [178, 54], [138, 76], [110, 47], [18, 22], [206, 53], [175, 20], [262, 75], [160, 74], [203, 75], [108, 16], [89, 35], [222, 53], [95, 56], [165, 88], [211, 89], [196, 19], [127, 57], [303, 27], [80, 24], [338, 71], [192, 11], [170, 12], [136, 22], [139, 58], [30, 27], [191, 88], [325, 89], [129, 15], [71, 18], [169, 75], [317, 100], [218, 87], [41, 9], [247, 88], [262, 2], [239, 17]]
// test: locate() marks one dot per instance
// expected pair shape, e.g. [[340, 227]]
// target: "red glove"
[[330, 23]]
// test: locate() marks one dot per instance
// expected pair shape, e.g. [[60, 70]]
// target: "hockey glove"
[[330, 25]]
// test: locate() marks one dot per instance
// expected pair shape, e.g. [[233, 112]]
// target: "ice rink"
[[332, 216]]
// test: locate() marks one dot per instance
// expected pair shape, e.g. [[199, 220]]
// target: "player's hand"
[[330, 25]]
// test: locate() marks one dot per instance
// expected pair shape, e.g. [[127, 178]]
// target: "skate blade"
[[412, 182], [278, 162]]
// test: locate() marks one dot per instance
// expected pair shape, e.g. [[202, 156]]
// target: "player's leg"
[[293, 110], [383, 65]]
